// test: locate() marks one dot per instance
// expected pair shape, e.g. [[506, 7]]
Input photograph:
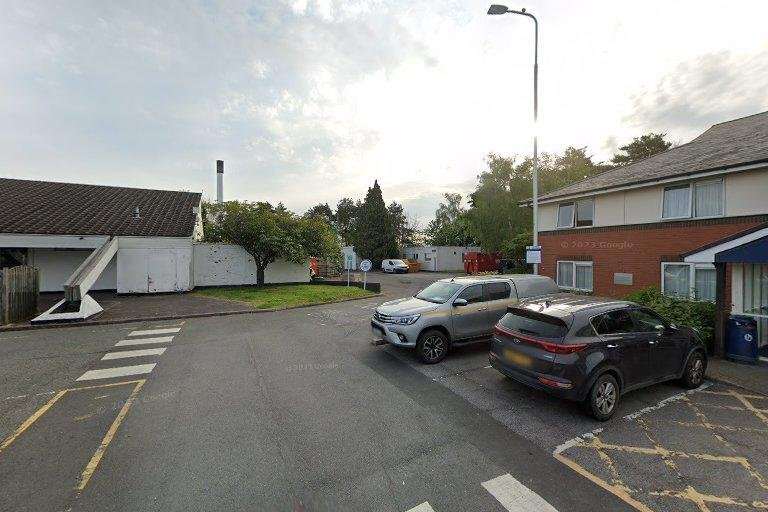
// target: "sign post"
[[533, 254], [365, 266]]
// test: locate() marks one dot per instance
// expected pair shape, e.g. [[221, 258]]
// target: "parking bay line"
[[423, 507], [121, 371], [516, 497], [90, 468], [150, 332], [144, 341], [134, 353]]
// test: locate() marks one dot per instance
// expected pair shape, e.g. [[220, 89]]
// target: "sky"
[[308, 101]]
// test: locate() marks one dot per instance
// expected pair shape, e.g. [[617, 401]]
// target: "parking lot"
[[296, 410]]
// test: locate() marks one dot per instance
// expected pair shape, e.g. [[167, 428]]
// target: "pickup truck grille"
[[387, 319]]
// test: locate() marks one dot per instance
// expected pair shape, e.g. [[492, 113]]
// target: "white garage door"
[[151, 270]]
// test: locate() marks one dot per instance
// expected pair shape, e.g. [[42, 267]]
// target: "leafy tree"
[[451, 224], [641, 147], [403, 230], [373, 235], [269, 233], [495, 217], [346, 212], [322, 211]]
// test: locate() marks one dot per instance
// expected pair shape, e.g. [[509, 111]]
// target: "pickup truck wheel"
[[432, 346]]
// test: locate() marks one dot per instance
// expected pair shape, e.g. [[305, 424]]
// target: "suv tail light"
[[554, 348]]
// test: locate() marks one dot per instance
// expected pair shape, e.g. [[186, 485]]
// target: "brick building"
[[664, 220]]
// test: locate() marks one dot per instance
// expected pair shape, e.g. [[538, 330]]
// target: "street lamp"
[[502, 9]]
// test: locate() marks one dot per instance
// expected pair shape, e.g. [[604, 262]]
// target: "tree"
[[373, 235], [346, 212], [401, 226], [269, 233], [451, 224], [322, 211], [641, 147]]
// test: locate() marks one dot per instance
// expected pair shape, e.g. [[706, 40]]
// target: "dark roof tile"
[[43, 207]]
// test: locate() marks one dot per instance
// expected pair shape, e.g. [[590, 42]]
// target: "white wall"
[[230, 265], [56, 265], [745, 194], [154, 265]]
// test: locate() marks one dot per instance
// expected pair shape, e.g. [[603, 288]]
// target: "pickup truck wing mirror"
[[460, 302]]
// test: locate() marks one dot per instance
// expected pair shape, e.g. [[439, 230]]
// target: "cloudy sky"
[[311, 100]]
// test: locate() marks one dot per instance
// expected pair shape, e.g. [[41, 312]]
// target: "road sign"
[[533, 254], [365, 265]]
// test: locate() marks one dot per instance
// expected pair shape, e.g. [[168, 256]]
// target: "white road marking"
[[121, 371], [144, 341], [424, 507], [516, 497], [151, 332], [666, 401], [134, 353]]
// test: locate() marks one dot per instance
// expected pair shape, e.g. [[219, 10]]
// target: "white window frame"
[[575, 264], [575, 214], [692, 267], [691, 199]]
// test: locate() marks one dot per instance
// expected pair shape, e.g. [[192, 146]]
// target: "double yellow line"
[[90, 468]]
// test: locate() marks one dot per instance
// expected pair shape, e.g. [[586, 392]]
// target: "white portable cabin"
[[439, 258]]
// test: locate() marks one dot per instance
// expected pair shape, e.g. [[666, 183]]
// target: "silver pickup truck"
[[453, 311]]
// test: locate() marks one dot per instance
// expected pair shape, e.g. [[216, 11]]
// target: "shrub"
[[697, 314]]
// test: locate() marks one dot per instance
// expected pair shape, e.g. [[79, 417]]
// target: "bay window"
[[693, 200], [688, 281], [575, 275]]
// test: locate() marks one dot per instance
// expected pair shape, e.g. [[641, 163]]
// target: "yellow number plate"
[[517, 358]]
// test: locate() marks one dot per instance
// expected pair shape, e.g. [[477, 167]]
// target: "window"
[[647, 321], [697, 200], [708, 198], [585, 210], [472, 293], [497, 291], [565, 215], [576, 275], [579, 214], [529, 322], [615, 322], [677, 202], [688, 281]]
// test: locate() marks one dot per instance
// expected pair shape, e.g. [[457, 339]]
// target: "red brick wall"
[[637, 249]]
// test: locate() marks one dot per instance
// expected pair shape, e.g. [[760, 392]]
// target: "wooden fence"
[[19, 291]]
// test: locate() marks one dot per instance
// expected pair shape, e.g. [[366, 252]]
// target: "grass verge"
[[284, 295]]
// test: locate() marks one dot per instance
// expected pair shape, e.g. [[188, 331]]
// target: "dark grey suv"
[[594, 350]]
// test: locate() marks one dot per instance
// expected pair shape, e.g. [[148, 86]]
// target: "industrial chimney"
[[219, 181]]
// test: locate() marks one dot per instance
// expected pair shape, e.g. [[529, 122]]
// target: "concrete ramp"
[[77, 304]]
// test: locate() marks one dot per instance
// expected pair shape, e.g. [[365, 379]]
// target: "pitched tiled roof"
[[42, 207], [732, 143]]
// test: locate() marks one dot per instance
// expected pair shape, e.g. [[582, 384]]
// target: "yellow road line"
[[618, 491], [90, 468], [29, 421]]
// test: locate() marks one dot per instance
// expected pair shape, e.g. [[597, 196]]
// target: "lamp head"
[[497, 9]]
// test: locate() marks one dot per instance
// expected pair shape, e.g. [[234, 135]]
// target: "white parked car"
[[394, 266]]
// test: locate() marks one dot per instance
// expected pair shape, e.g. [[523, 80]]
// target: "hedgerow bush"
[[697, 314]]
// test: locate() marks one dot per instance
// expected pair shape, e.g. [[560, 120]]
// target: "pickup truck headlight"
[[406, 320]]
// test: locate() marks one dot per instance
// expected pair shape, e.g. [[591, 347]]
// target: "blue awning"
[[755, 251]]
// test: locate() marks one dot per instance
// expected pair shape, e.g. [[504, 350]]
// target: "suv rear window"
[[536, 324], [536, 286]]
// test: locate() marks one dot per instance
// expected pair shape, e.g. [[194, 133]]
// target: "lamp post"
[[502, 9]]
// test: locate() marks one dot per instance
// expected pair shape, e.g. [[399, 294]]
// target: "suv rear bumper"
[[531, 379]]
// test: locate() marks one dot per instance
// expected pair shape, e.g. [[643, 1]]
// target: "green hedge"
[[692, 313]]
